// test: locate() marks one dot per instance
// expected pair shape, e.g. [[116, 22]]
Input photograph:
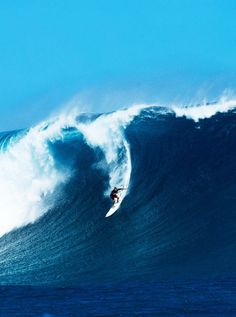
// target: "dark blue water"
[[177, 225], [204, 298]]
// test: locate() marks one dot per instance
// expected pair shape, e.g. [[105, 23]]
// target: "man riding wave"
[[114, 194]]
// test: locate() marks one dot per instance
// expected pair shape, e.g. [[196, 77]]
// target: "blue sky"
[[112, 53]]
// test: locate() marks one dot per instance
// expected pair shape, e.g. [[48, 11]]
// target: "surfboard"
[[113, 209], [116, 206]]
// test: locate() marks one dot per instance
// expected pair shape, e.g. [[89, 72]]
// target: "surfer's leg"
[[115, 198]]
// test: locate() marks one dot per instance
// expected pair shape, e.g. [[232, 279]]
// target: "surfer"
[[114, 194]]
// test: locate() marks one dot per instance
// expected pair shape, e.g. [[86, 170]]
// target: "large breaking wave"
[[176, 219]]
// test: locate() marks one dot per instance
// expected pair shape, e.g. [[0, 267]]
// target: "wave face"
[[177, 219]]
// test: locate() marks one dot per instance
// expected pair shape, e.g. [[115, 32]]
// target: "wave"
[[55, 180], [30, 173]]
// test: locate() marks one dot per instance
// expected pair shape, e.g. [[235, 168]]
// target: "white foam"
[[204, 110], [27, 174], [107, 133]]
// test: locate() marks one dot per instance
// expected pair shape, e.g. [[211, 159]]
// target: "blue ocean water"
[[205, 298], [169, 250]]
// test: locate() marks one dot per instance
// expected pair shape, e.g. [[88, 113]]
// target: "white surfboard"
[[116, 206], [113, 209]]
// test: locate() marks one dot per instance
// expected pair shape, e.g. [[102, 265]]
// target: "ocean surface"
[[123, 299], [169, 250]]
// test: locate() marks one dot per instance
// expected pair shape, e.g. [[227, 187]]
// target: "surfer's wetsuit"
[[114, 193]]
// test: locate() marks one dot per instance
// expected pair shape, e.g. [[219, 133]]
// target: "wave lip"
[[205, 110]]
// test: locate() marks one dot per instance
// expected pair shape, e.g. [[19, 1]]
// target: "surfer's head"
[[115, 187]]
